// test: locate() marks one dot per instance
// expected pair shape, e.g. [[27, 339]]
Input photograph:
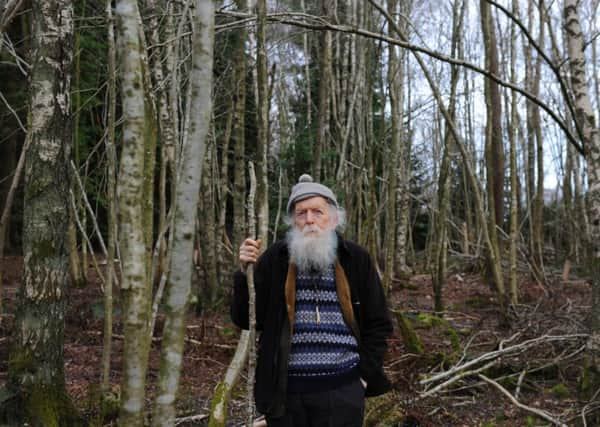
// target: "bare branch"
[[540, 413], [304, 20]]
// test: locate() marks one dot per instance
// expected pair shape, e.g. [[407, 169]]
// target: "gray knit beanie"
[[306, 188]]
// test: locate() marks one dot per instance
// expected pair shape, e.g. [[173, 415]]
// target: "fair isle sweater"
[[324, 352]]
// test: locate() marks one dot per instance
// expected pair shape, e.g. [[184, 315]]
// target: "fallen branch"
[[191, 418], [502, 351], [539, 412]]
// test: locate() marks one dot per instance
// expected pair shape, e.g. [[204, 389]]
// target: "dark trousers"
[[340, 407]]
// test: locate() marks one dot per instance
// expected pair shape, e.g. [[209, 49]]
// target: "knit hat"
[[306, 188]]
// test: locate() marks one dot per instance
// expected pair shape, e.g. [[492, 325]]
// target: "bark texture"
[[135, 289], [585, 117], [186, 199], [36, 379]]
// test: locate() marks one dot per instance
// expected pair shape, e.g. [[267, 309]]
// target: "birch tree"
[[36, 379], [584, 115], [135, 286], [186, 200]]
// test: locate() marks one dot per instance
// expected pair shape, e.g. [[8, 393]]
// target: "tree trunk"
[[165, 129], [395, 82], [591, 142], [494, 150], [36, 378], [238, 138], [441, 227], [207, 236], [323, 130], [186, 199], [111, 155], [262, 121], [512, 136], [131, 191], [222, 393]]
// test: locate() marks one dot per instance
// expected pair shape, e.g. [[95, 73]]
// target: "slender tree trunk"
[[441, 228], [323, 131], [514, 218], [222, 393], [36, 376], [403, 173], [207, 236], [591, 142], [262, 120], [306, 51], [131, 191], [395, 82], [186, 199], [111, 200], [165, 128], [78, 261], [238, 138], [494, 156]]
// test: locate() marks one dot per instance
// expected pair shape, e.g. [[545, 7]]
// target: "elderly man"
[[323, 316]]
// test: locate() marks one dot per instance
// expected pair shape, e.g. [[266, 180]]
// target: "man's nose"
[[310, 218]]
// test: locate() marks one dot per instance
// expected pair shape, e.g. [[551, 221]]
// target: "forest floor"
[[545, 374]]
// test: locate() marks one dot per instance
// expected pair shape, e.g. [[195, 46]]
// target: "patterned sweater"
[[324, 352]]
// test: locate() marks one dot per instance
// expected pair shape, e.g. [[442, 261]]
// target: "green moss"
[[451, 333], [52, 407], [412, 342], [560, 391], [43, 248], [410, 286], [218, 397], [19, 360], [228, 332], [108, 404], [41, 406], [429, 320], [589, 381]]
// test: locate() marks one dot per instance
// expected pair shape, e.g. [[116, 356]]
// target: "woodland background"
[[461, 137]]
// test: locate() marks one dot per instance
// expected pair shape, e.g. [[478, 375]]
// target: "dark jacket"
[[363, 307]]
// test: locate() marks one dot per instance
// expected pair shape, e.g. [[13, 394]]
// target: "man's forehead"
[[314, 201]]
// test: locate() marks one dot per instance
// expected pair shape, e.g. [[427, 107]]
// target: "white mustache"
[[311, 228]]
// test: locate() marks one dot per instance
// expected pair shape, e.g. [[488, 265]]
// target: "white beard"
[[312, 247]]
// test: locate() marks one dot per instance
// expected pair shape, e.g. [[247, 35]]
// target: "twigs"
[[513, 350], [539, 412], [191, 418], [570, 346]]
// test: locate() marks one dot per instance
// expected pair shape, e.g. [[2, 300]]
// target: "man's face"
[[315, 211]]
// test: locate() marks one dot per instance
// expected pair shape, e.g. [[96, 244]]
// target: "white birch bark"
[[186, 200], [591, 135], [35, 363], [130, 192]]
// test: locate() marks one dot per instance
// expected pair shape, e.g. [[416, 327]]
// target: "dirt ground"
[[470, 328]]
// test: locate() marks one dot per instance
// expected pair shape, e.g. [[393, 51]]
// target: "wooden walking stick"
[[252, 299]]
